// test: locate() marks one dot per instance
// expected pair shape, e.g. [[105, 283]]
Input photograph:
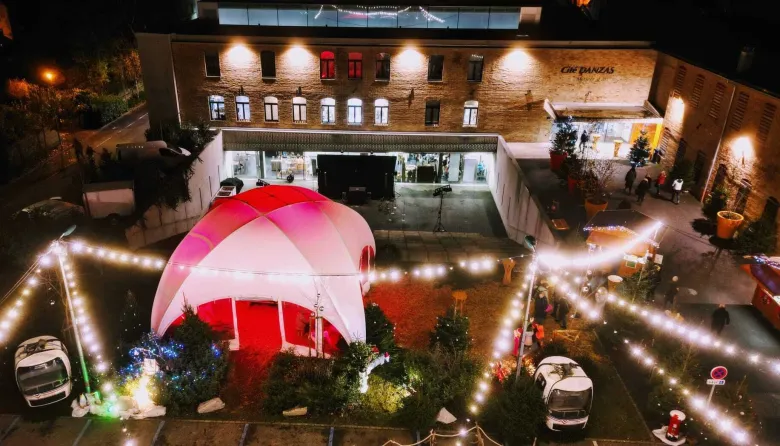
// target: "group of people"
[[542, 307], [644, 186]]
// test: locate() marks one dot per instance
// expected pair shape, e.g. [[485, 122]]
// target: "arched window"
[[381, 111], [470, 113], [217, 108], [354, 111], [770, 209], [242, 108], [383, 67], [328, 111], [271, 109], [355, 66], [327, 65], [299, 110]]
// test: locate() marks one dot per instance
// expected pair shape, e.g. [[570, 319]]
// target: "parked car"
[[567, 392], [43, 371], [53, 208]]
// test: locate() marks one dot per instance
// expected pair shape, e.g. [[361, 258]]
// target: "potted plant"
[[640, 151], [717, 208], [563, 144], [596, 176], [728, 223]]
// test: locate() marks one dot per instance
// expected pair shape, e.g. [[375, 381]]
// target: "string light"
[[79, 247]]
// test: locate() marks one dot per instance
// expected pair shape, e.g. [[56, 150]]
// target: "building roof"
[[629, 220], [581, 111]]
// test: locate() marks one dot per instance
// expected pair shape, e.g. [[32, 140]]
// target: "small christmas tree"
[[640, 151], [379, 330], [451, 332], [565, 140]]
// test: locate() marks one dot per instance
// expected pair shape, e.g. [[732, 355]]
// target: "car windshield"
[[42, 378], [566, 400]]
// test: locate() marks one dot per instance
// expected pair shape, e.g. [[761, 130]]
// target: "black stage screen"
[[337, 173]]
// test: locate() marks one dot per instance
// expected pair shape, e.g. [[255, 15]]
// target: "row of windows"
[[328, 111], [354, 66], [358, 16]]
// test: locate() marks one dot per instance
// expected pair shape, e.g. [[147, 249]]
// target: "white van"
[[132, 153], [567, 392], [43, 370]]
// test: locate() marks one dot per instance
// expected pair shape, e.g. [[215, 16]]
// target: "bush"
[[715, 203], [683, 169], [379, 330], [383, 396], [517, 413], [451, 332], [759, 237], [108, 107]]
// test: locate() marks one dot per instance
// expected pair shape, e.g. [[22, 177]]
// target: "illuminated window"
[[475, 68], [355, 66], [299, 110], [217, 108], [327, 65], [381, 111], [212, 63], [435, 68], [268, 64], [328, 111], [354, 111], [242, 108], [470, 114], [432, 109], [383, 67], [271, 109]]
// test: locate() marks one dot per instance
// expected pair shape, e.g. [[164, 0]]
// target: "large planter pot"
[[594, 207], [728, 223], [572, 184], [556, 160]]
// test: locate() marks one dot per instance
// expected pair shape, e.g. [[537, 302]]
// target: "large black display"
[[337, 173]]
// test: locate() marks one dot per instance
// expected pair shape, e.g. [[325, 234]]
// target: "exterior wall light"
[[239, 55], [743, 149], [677, 110], [516, 60]]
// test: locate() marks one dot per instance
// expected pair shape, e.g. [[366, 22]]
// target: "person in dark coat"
[[720, 318], [540, 307], [584, 139], [671, 294], [630, 178], [642, 189], [563, 312]]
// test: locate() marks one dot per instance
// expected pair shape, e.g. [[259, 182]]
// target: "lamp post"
[[530, 243], [50, 77]]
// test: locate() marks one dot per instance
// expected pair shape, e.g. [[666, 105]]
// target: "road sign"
[[719, 372], [716, 382]]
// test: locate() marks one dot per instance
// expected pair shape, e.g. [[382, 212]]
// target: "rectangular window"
[[242, 108], [679, 81], [383, 67], [475, 68], [765, 124], [739, 111], [271, 112], [435, 68], [299, 113], [217, 108], [432, 109], [504, 18], [681, 149], [268, 64], [698, 166], [470, 116], [329, 113], [212, 63], [354, 114], [327, 65], [292, 15], [263, 16], [355, 68], [381, 112], [717, 99], [233, 16], [698, 86], [443, 18], [473, 18]]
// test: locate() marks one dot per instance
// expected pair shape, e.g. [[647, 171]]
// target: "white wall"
[[161, 222], [521, 212]]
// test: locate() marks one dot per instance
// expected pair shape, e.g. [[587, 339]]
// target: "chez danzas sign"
[[587, 70]]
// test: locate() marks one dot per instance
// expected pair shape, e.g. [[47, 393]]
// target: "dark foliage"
[[758, 237], [379, 330], [517, 413]]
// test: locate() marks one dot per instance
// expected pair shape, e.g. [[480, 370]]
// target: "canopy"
[[626, 221], [278, 243]]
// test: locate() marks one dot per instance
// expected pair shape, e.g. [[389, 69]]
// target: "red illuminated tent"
[[259, 262]]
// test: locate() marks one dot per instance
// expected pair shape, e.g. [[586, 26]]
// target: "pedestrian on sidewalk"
[[563, 312], [671, 293], [659, 183], [677, 186], [584, 139], [720, 318], [630, 178], [540, 307], [642, 189]]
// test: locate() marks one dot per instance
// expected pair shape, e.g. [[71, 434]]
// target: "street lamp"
[[50, 76], [530, 243]]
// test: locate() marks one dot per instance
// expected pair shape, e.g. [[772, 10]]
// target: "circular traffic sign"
[[719, 372]]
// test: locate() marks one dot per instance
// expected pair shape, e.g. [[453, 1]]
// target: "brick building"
[[435, 85], [726, 127]]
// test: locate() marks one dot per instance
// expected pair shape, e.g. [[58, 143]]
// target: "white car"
[[43, 371], [567, 392]]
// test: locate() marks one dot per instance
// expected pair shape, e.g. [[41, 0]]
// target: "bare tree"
[[597, 172]]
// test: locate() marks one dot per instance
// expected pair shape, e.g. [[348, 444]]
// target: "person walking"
[[630, 178], [540, 307], [720, 318], [677, 186], [671, 293], [563, 312], [642, 189], [659, 183], [584, 139]]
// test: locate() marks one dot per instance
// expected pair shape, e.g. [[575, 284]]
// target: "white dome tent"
[[282, 245]]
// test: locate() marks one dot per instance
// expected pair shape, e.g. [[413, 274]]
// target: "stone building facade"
[[510, 95], [728, 129]]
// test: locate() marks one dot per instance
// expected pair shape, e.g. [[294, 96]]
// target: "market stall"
[[619, 229], [766, 297]]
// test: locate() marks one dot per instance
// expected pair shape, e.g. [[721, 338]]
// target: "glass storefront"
[[438, 167]]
